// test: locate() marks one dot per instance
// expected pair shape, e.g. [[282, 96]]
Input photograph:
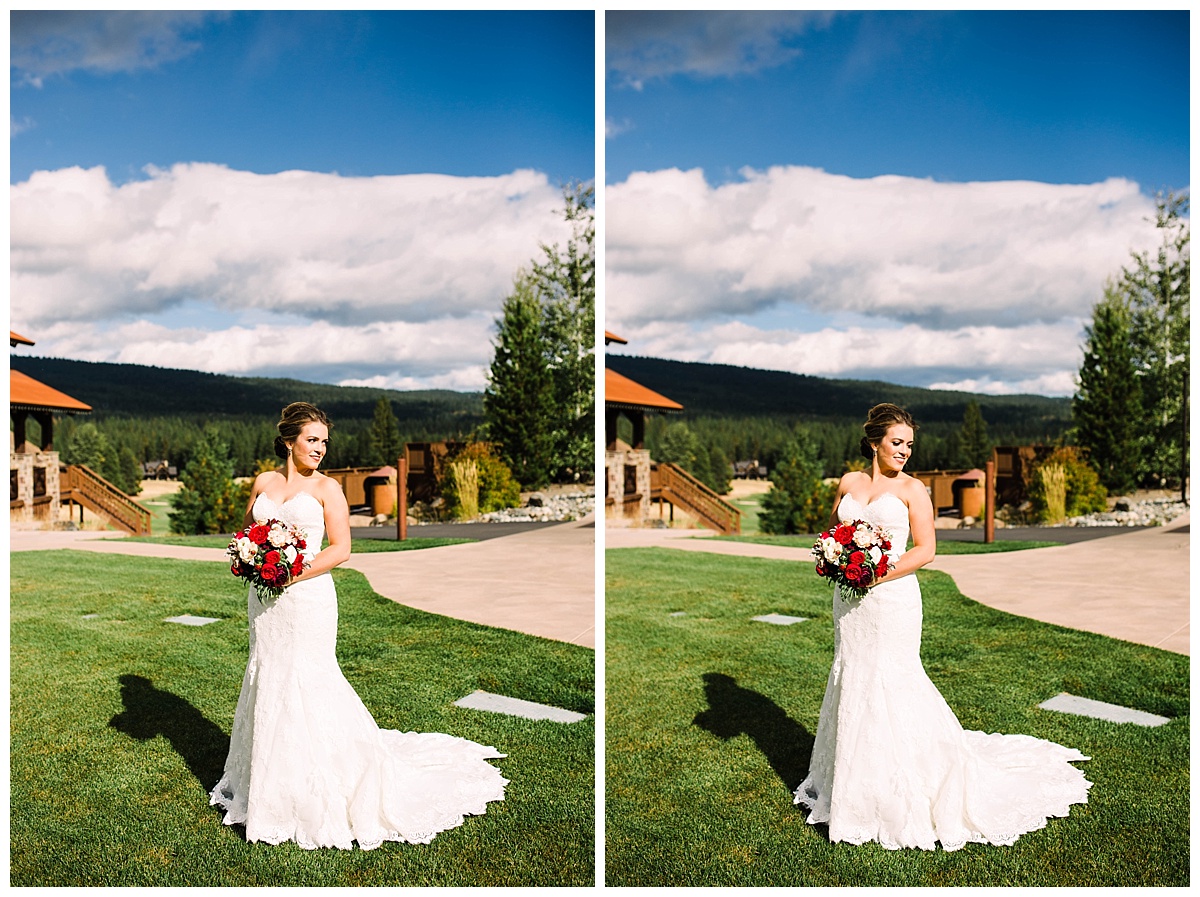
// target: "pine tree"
[[566, 285], [518, 402], [799, 500], [973, 438], [385, 434], [208, 501], [1158, 291], [1106, 405]]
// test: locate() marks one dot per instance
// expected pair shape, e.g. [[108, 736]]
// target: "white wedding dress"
[[891, 763], [307, 763]]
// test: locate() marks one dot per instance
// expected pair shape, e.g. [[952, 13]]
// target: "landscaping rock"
[[562, 507], [1151, 512], [537, 500]]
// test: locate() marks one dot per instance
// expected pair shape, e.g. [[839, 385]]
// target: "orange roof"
[[33, 395], [610, 337], [620, 390], [14, 338]]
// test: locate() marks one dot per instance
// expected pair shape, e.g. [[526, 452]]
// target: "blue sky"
[[195, 186], [786, 189]]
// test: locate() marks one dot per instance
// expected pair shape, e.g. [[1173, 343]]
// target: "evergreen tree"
[[208, 501], [385, 434], [973, 439], [720, 470], [678, 446], [566, 285], [88, 447], [1106, 405], [518, 402], [799, 501], [1158, 291]]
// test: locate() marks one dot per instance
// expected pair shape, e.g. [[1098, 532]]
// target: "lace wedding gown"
[[891, 762], [307, 763]]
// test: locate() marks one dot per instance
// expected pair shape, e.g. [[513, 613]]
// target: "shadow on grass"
[[733, 711], [150, 712]]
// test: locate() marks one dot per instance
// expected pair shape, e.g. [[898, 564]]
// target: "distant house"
[[159, 470]]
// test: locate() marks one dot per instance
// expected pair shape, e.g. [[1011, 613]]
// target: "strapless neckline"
[[877, 498], [287, 501]]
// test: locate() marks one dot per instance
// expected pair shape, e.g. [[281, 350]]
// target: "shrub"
[[493, 484], [1081, 489]]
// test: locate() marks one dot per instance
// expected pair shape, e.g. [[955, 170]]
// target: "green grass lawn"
[[749, 505], [357, 546], [710, 719], [946, 546], [120, 726]]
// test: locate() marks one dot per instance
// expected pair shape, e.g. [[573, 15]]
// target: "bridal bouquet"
[[268, 556], [853, 555]]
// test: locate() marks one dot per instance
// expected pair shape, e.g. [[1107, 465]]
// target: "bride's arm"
[[920, 522], [337, 528]]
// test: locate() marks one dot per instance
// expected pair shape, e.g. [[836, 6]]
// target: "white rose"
[[863, 538], [290, 554], [875, 553], [832, 549], [246, 549], [278, 536]]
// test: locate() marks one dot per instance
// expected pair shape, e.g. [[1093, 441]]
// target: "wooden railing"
[[687, 493], [85, 487]]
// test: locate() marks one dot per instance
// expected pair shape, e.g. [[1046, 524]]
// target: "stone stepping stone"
[[189, 620], [1115, 713], [678, 613], [90, 617], [779, 619], [482, 700]]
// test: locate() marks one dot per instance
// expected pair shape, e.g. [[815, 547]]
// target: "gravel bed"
[[562, 507], [1152, 512]]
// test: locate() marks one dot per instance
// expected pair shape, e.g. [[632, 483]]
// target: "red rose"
[[235, 569], [882, 568], [857, 557], [301, 544], [258, 533], [886, 545], [297, 567], [269, 572], [844, 534], [854, 573], [271, 558]]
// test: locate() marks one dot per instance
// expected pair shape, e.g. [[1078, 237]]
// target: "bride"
[[307, 762], [890, 762]]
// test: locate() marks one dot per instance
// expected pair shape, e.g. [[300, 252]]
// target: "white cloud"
[[615, 128], [392, 279], [19, 126], [942, 254], [643, 45], [50, 42], [442, 353], [1029, 358], [903, 279], [320, 246]]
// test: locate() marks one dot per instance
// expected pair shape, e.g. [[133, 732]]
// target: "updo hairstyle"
[[292, 420], [880, 419]]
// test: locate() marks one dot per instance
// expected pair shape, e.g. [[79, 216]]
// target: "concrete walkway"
[[540, 582], [1099, 585]]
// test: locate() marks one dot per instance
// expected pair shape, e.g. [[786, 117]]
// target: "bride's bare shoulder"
[[853, 478]]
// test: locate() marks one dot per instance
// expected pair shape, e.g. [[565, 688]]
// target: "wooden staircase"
[[83, 486], [673, 484]]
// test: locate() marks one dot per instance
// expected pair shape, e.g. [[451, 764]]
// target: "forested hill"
[[722, 390], [143, 391]]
